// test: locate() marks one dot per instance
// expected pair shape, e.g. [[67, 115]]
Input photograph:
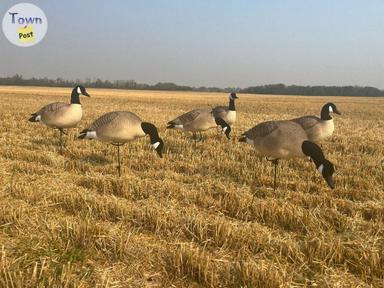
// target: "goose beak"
[[330, 182], [337, 112], [86, 94]]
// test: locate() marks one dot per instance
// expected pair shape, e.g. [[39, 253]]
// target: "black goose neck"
[[325, 113], [150, 130], [313, 151], [75, 97], [318, 161], [232, 104]]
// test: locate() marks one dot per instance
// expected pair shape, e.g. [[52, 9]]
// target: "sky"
[[233, 43]]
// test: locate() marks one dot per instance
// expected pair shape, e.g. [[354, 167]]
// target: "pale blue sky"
[[211, 43]]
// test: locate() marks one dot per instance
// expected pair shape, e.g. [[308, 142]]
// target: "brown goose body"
[[286, 139], [319, 128], [227, 113], [224, 113], [197, 120], [120, 127], [277, 139], [61, 115], [116, 127], [316, 128]]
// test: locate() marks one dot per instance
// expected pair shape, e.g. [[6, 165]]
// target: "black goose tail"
[[243, 138], [83, 134], [34, 118], [170, 125]]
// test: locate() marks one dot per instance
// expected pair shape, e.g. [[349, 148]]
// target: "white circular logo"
[[25, 24]]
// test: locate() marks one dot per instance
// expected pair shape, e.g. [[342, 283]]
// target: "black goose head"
[[80, 89], [326, 169], [327, 110], [233, 96], [324, 166], [156, 142], [159, 146], [76, 92]]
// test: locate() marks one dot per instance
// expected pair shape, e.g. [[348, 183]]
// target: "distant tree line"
[[314, 90], [279, 89]]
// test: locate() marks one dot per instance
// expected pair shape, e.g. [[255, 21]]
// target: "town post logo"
[[25, 24]]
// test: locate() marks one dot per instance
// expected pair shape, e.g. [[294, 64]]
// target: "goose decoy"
[[317, 128], [61, 115], [286, 139], [120, 127], [228, 114], [199, 120]]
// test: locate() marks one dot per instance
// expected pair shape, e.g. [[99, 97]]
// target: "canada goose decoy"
[[286, 139], [120, 127], [227, 113], [61, 115], [199, 120], [317, 128]]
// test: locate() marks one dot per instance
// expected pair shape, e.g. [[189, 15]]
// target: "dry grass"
[[188, 220]]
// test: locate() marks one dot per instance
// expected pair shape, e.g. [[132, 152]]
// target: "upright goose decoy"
[[228, 114], [120, 127], [199, 120], [317, 128], [284, 140], [60, 115]]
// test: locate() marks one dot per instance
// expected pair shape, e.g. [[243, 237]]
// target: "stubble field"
[[188, 219]]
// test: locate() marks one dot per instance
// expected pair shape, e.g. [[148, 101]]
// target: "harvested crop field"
[[204, 215]]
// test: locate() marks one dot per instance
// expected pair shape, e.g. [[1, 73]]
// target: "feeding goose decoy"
[[227, 113], [120, 127], [199, 120], [317, 128], [284, 140], [61, 115]]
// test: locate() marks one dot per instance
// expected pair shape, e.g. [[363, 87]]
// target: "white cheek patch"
[[78, 90], [225, 129], [38, 118], [330, 109], [320, 169], [249, 141], [179, 126], [155, 145]]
